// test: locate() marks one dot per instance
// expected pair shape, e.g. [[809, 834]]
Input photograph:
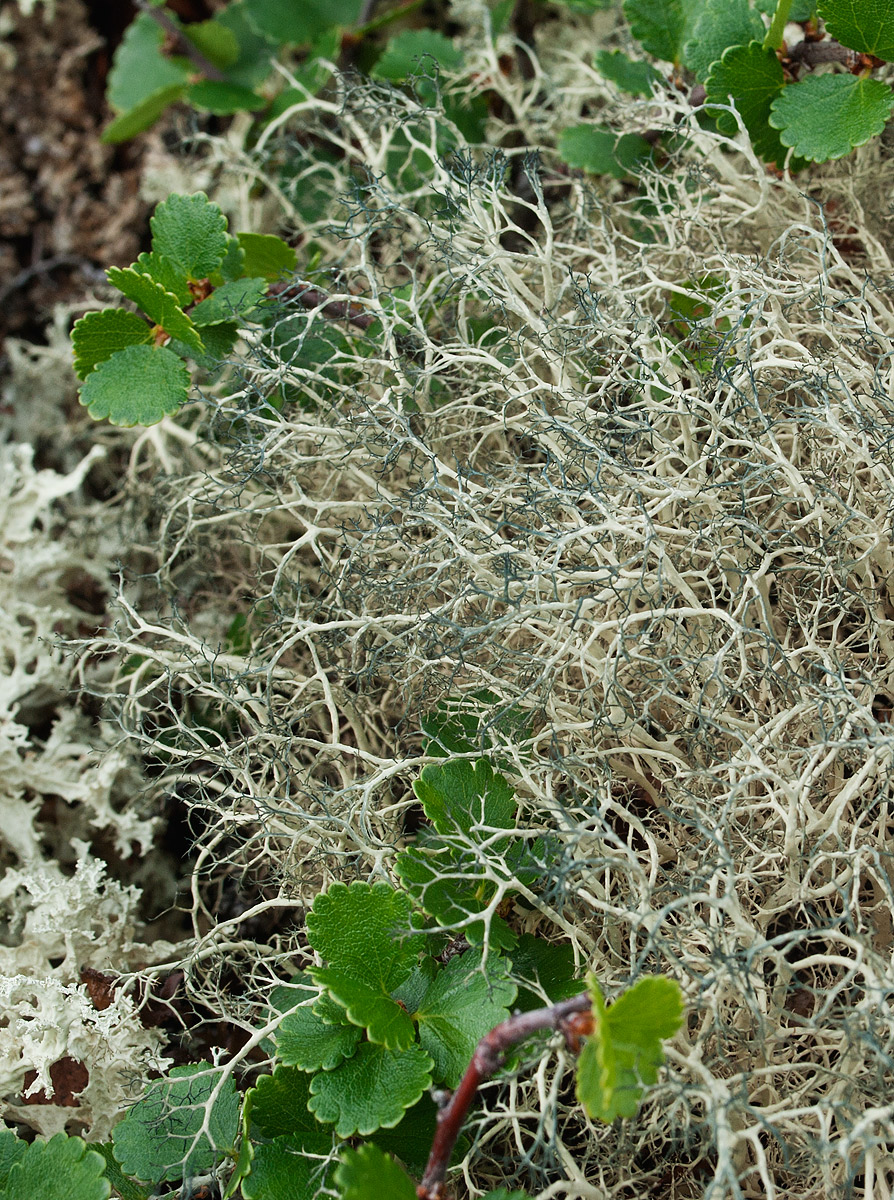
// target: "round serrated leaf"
[[229, 302], [635, 78], [136, 386], [139, 69], [372, 1090], [368, 1171], [407, 52], [99, 335], [720, 24], [191, 232], [159, 305], [752, 77], [602, 151], [867, 27], [285, 1169], [826, 116], [660, 25], [266, 256], [278, 1105], [364, 932], [159, 1138], [64, 1168], [304, 1039]]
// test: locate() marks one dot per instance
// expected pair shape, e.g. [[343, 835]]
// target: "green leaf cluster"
[[794, 109], [195, 287], [220, 66]]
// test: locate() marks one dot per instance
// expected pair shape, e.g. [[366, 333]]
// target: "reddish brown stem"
[[490, 1053]]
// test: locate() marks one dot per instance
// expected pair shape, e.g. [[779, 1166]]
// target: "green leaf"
[[125, 1188], [267, 256], [285, 1169], [218, 341], [461, 1006], [222, 98], [154, 1140], [291, 22], [212, 39], [363, 932], [159, 268], [368, 1174], [191, 232], [370, 1090], [660, 25], [620, 1059], [601, 151], [863, 25], [12, 1150], [752, 77], [720, 24], [277, 1105], [468, 724], [233, 263], [449, 871], [139, 69], [546, 966], [255, 51], [229, 302], [64, 1168], [136, 386], [305, 1040], [459, 796], [635, 78], [142, 115], [159, 305], [826, 116], [406, 55], [99, 335]]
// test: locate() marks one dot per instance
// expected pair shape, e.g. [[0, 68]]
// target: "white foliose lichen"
[[63, 775]]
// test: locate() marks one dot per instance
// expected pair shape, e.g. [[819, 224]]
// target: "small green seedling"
[[196, 286]]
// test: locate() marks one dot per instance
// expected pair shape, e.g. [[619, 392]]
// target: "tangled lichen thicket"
[[622, 459]]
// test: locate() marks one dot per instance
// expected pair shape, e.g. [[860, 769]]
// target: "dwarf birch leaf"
[[142, 115], [307, 1041], [752, 77], [367, 1173], [214, 40], [191, 232], [285, 1169], [719, 25], [461, 796], [291, 22], [267, 256], [64, 1168], [637, 78], [156, 1139], [371, 1090], [277, 1104], [99, 335], [123, 1188], [461, 1006], [139, 69], [163, 271], [826, 116], [137, 386], [620, 1059], [220, 97], [660, 25], [229, 302], [12, 1149], [363, 932], [867, 27], [407, 52], [159, 305]]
